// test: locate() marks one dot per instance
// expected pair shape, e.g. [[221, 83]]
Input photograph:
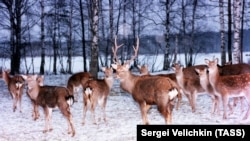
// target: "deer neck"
[[33, 91], [204, 81], [6, 77], [109, 81], [180, 79], [214, 76], [128, 83]]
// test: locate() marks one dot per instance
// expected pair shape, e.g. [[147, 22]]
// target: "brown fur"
[[144, 71], [148, 90], [49, 97], [229, 85], [35, 112], [76, 81], [189, 82], [15, 86], [96, 92]]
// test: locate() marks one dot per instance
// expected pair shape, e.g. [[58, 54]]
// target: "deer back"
[[227, 84]]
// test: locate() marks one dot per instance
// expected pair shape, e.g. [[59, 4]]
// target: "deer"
[[204, 82], [146, 90], [15, 86], [189, 82], [143, 70], [96, 91], [49, 97], [35, 112], [228, 86], [77, 81]]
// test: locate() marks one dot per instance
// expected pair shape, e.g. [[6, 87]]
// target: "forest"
[[87, 28]]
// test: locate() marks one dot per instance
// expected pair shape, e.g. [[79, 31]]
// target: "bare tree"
[[83, 40], [222, 33], [15, 10], [42, 38]]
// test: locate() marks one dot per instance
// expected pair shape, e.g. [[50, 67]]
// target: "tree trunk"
[[222, 33], [70, 44], [166, 63], [42, 38], [94, 44], [83, 37], [229, 44], [237, 27]]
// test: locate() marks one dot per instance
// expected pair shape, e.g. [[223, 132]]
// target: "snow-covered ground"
[[122, 112]]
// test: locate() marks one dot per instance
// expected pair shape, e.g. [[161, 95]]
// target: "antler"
[[135, 50], [114, 49]]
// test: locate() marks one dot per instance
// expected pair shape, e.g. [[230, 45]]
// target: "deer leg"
[[193, 101], [46, 113], [144, 110], [35, 112], [85, 108], [50, 119], [103, 109], [20, 101], [179, 96], [248, 109], [66, 113], [225, 104], [93, 105], [14, 103]]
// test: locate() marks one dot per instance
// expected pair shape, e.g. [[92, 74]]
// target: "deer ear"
[[127, 66], [114, 66], [206, 61], [24, 76], [103, 69]]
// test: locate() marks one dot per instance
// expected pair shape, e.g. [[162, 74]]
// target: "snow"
[[123, 116]]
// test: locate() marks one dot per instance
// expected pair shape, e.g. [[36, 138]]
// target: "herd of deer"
[[220, 82]]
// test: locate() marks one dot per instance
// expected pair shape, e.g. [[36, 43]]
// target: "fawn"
[[96, 92], [49, 97]]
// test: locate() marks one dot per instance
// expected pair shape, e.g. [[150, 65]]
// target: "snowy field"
[[122, 112]]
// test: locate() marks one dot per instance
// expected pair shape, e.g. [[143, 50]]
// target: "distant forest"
[[206, 42]]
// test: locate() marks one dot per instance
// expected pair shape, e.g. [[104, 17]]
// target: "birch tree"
[[237, 27], [94, 43]]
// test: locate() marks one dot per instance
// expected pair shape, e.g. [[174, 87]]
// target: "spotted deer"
[[229, 85], [146, 90], [96, 91], [49, 97], [15, 86], [76, 82], [143, 69]]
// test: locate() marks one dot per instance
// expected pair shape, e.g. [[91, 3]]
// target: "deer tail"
[[173, 91]]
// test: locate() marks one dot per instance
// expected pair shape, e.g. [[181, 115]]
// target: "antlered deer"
[[15, 86], [146, 90], [144, 71], [96, 92], [49, 97], [76, 81], [229, 85]]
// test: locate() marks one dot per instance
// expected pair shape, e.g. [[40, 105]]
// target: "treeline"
[[206, 42]]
